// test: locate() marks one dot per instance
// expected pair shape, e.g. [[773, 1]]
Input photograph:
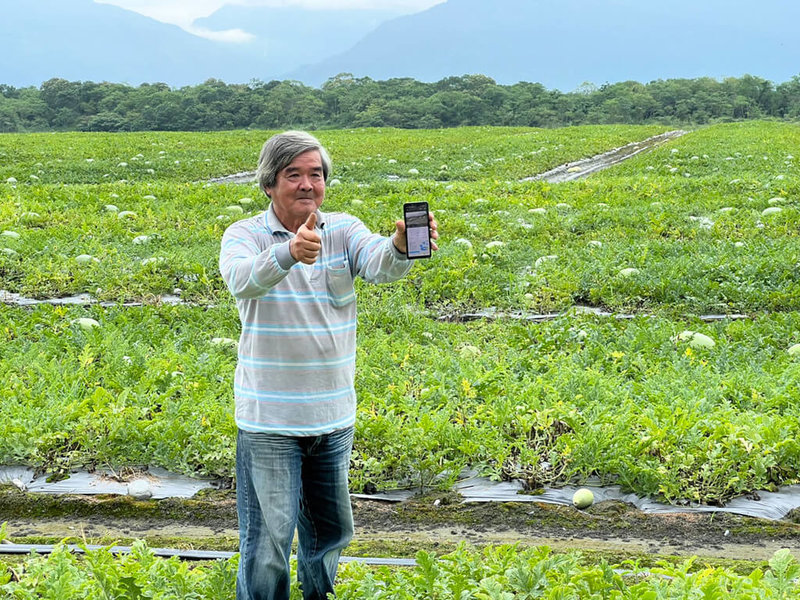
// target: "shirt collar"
[[274, 224]]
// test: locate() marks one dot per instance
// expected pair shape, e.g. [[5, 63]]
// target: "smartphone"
[[418, 229]]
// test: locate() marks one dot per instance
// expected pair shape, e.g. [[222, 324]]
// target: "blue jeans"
[[283, 482]]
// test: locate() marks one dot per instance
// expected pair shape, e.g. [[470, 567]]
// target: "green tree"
[[787, 102]]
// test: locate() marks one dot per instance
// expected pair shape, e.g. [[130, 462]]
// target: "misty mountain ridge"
[[560, 44], [285, 38], [563, 43]]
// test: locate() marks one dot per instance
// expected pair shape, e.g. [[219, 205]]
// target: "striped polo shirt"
[[297, 348]]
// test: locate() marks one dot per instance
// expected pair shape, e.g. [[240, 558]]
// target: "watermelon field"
[[639, 328]]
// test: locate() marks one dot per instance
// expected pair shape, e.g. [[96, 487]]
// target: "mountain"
[[286, 38], [563, 43], [559, 43], [82, 40]]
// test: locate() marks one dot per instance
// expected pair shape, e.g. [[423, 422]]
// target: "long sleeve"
[[374, 257], [249, 271]]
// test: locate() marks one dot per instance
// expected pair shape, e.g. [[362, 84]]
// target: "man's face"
[[299, 189]]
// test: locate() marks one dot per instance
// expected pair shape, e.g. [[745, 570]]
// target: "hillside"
[[562, 44], [276, 43], [82, 40]]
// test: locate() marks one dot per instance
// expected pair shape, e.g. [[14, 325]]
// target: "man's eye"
[[292, 176]]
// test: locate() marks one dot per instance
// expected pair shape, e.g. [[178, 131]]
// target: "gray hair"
[[281, 149]]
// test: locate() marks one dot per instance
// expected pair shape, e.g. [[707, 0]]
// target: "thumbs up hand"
[[305, 245]]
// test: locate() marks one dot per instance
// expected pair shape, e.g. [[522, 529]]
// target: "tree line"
[[348, 101]]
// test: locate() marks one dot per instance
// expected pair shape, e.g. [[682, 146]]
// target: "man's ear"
[[267, 192]]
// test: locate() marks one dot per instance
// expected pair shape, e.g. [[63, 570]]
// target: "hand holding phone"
[[418, 230]]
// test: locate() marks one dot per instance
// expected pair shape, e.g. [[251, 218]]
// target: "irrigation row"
[[24, 549], [492, 315], [160, 484], [14, 299]]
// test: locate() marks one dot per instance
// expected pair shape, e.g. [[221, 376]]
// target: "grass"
[[549, 403], [625, 400]]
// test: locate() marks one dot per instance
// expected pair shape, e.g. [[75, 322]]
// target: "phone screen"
[[418, 232]]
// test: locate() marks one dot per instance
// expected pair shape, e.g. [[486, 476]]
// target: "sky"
[[183, 12]]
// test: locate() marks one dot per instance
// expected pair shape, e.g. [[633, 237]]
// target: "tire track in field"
[[585, 167], [236, 178]]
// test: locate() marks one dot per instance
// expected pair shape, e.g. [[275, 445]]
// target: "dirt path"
[[238, 178], [411, 538], [400, 529], [587, 166], [614, 545], [608, 527]]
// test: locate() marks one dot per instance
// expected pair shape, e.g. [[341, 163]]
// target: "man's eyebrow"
[[291, 168]]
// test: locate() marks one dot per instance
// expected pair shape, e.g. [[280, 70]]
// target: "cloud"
[[232, 36], [176, 12], [183, 13]]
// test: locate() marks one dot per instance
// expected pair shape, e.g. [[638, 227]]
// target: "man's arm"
[[378, 259], [373, 257], [247, 271]]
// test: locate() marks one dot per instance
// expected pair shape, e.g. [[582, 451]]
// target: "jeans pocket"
[[339, 282]]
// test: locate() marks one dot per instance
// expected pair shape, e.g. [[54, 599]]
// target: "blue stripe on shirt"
[[263, 363], [241, 242], [297, 330], [343, 224], [252, 279], [275, 297], [293, 397]]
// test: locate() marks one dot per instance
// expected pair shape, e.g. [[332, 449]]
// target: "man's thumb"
[[311, 221]]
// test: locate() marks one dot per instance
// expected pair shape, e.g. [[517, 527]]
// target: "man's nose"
[[305, 182]]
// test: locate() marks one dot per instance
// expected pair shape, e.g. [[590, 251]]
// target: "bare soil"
[[237, 178], [432, 522], [608, 527], [585, 167]]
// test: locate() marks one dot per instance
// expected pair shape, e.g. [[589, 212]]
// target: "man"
[[291, 270]]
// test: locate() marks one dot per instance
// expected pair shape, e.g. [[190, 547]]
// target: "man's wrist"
[[398, 252], [284, 257]]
